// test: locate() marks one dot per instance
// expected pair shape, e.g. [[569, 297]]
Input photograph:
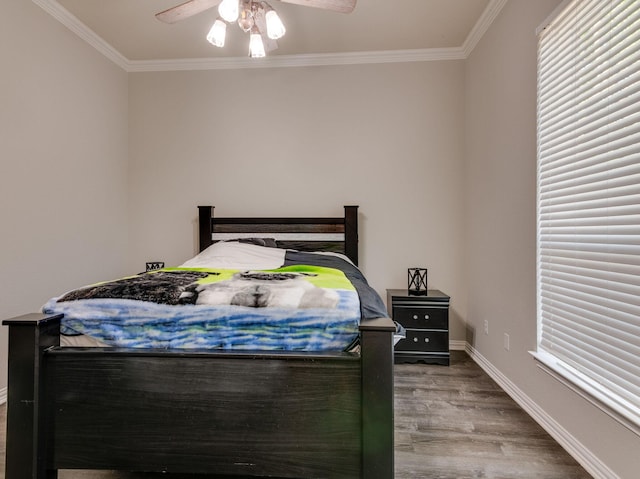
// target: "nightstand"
[[426, 319]]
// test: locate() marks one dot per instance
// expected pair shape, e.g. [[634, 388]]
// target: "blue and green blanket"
[[298, 307]]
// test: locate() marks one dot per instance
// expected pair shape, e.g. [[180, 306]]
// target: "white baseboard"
[[3, 395], [580, 453], [457, 345]]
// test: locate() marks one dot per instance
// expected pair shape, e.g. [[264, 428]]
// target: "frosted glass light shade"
[[218, 33], [256, 47], [275, 27], [229, 10]]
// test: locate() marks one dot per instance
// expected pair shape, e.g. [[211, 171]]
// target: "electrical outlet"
[[506, 342], [153, 265], [486, 326]]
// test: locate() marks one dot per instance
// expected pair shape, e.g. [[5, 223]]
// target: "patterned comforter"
[[311, 303]]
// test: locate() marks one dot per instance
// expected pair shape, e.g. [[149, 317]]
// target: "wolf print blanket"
[[164, 287], [296, 307]]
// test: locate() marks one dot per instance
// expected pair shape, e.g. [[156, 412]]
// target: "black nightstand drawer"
[[426, 341], [422, 317], [426, 321]]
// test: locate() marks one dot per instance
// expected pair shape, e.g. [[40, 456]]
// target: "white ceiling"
[[130, 29]]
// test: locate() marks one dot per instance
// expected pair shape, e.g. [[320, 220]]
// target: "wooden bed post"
[[29, 336], [204, 221], [351, 233], [376, 337]]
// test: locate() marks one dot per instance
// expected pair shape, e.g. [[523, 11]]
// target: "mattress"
[[232, 296]]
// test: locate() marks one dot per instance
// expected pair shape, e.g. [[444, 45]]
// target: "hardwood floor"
[[456, 422], [450, 423]]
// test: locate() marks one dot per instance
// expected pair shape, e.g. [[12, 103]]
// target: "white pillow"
[[234, 255]]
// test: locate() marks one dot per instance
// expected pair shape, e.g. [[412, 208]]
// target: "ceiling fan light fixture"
[[256, 45], [251, 15], [245, 18], [229, 10], [275, 27], [218, 33]]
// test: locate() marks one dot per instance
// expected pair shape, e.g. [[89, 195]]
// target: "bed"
[[224, 413]]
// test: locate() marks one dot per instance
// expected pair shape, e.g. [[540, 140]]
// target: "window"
[[589, 202]]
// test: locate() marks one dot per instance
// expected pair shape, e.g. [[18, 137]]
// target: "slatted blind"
[[589, 198]]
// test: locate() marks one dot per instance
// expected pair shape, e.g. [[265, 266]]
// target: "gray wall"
[[500, 247], [63, 151], [300, 141]]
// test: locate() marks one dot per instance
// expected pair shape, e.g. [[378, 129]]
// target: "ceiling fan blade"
[[342, 6], [269, 44], [185, 10]]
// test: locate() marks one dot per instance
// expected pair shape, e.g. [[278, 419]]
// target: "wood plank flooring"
[[456, 422], [450, 423]]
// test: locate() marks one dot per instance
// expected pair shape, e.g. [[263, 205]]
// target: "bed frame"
[[238, 414]]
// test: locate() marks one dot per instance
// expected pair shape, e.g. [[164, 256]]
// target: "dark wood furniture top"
[[342, 231]]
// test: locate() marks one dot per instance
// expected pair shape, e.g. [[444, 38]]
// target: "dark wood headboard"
[[304, 234]]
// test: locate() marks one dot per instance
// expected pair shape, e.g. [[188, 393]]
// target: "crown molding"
[[281, 61], [70, 21], [493, 8], [277, 61]]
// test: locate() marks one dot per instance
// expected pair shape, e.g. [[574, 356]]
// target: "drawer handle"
[[426, 316], [415, 316], [415, 340], [426, 340]]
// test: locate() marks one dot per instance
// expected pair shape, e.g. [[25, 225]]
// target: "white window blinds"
[[589, 200]]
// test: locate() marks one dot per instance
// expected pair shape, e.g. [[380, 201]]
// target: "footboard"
[[252, 414]]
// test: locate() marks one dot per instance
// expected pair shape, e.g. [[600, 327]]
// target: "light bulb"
[[275, 27], [229, 10], [218, 33], [256, 47]]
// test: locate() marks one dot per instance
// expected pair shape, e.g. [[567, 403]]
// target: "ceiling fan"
[[253, 16]]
